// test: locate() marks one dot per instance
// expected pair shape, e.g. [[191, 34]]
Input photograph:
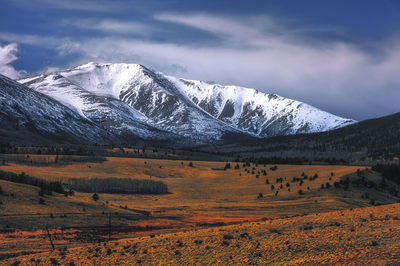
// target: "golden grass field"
[[200, 196], [205, 188], [362, 236]]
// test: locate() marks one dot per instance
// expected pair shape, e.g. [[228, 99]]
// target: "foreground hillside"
[[369, 235]]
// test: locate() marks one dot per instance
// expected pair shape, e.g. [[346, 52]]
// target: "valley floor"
[[243, 214]]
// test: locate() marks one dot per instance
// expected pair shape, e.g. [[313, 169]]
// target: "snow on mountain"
[[259, 113], [28, 115], [152, 99], [132, 98], [102, 108]]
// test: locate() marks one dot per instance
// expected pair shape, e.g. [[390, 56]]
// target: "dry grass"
[[360, 236], [197, 185], [200, 195]]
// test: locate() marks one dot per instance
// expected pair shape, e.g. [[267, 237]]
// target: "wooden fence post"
[[109, 226], [49, 235]]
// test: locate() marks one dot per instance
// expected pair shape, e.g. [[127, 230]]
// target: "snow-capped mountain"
[[259, 113], [130, 98], [104, 110], [26, 115], [121, 96]]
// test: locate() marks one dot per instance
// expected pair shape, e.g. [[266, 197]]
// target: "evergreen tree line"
[[390, 171], [275, 160], [58, 159]]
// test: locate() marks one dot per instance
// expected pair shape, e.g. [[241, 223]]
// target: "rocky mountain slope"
[[261, 114], [132, 99], [29, 116]]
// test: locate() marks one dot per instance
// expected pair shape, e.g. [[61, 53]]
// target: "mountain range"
[[120, 103]]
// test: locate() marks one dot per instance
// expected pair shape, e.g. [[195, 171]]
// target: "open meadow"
[[200, 195]]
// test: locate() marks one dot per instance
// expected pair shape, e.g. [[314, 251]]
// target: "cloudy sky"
[[341, 56]]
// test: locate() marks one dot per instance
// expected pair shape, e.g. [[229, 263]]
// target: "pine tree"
[[95, 197]]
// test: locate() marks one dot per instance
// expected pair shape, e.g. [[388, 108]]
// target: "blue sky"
[[340, 56]]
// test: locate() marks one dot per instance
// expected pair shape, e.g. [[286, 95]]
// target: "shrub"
[[54, 261], [274, 230], [372, 202], [228, 236], [95, 197]]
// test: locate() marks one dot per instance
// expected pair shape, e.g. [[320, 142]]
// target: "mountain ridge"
[[29, 116], [192, 109]]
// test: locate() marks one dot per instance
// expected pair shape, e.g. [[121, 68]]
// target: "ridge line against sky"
[[340, 57]]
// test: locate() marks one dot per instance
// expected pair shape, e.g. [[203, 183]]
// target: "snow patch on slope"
[[119, 95]]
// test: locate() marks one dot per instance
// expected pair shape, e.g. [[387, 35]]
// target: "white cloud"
[[109, 26], [42, 41], [7, 56], [262, 52]]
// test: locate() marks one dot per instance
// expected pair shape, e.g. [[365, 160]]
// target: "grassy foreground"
[[360, 236]]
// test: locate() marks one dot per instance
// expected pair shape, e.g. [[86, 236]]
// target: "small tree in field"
[[95, 197], [227, 166], [372, 202]]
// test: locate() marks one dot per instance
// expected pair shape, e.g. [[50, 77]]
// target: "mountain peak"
[[191, 108]]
